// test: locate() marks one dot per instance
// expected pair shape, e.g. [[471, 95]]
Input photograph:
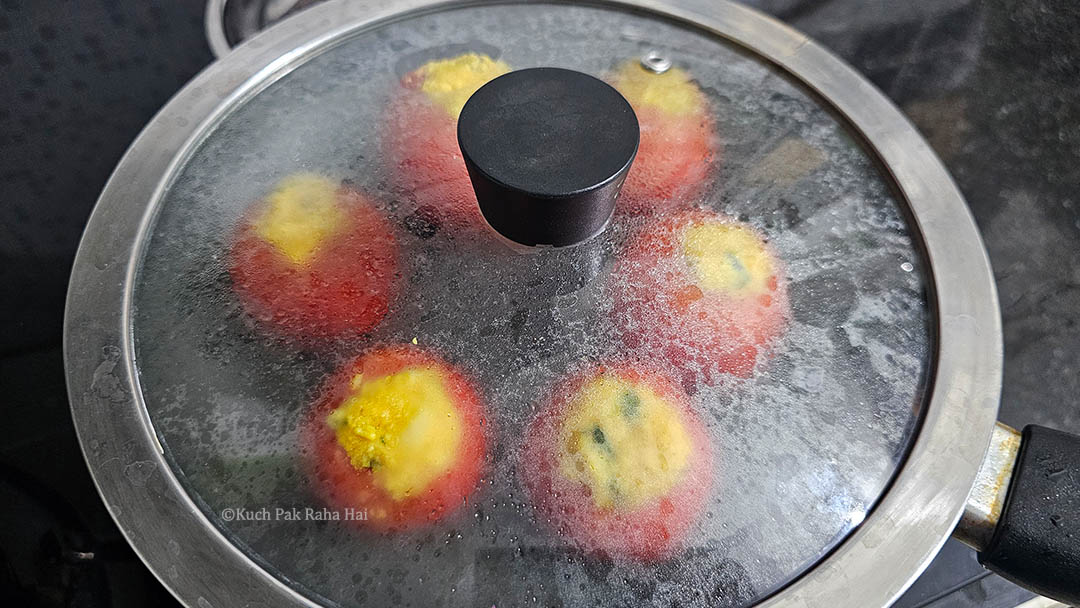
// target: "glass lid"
[[383, 401]]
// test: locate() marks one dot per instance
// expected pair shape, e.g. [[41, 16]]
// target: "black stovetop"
[[993, 84]]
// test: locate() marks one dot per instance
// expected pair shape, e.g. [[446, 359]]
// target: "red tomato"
[[650, 531], [678, 144], [662, 305], [672, 162], [421, 137], [426, 159], [345, 288], [344, 486]]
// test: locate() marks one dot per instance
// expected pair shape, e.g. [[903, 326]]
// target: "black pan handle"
[[1036, 543]]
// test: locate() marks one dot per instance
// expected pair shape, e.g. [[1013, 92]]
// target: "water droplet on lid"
[[907, 267]]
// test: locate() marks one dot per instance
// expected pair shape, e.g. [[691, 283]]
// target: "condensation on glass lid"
[[693, 407]]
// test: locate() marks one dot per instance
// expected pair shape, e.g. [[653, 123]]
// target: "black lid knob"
[[547, 150]]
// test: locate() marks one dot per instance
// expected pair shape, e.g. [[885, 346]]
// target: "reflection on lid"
[[792, 160]]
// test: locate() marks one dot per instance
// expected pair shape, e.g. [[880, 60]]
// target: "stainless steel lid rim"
[[198, 563]]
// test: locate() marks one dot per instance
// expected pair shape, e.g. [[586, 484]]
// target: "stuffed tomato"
[[314, 259], [422, 137], [677, 140], [398, 434], [619, 463], [702, 291]]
